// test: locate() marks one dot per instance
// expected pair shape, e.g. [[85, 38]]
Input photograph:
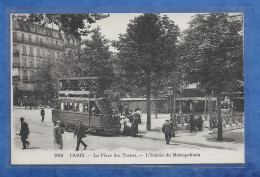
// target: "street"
[[41, 136]]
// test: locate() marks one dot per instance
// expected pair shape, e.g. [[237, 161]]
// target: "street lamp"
[[170, 92]]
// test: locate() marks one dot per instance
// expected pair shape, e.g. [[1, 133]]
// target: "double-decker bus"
[[85, 99]]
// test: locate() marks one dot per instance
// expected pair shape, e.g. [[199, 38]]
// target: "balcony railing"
[[37, 43], [17, 64]]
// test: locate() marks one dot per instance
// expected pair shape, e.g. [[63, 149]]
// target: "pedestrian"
[[182, 120], [25, 104], [134, 126], [167, 129], [192, 122], [24, 133], [80, 132], [126, 110], [137, 108], [121, 109], [58, 130], [125, 124], [199, 123], [42, 114], [178, 119], [94, 110], [130, 116]]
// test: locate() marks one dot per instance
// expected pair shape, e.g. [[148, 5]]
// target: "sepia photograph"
[[127, 88]]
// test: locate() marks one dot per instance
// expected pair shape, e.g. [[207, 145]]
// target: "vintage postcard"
[[127, 88]]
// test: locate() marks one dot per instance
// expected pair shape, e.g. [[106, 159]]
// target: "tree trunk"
[[174, 106], [170, 105], [148, 105], [205, 108], [210, 112], [219, 117], [155, 106], [180, 110]]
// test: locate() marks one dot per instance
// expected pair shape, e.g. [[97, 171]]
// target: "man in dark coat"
[[167, 129], [120, 109], [80, 132], [42, 114], [192, 122], [134, 126], [24, 132], [199, 123]]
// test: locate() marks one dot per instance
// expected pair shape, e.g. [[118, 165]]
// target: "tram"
[[85, 99]]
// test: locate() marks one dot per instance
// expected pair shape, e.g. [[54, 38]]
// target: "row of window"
[[38, 29], [79, 107], [31, 62], [27, 74], [37, 39], [42, 53], [74, 106], [42, 40], [72, 42]]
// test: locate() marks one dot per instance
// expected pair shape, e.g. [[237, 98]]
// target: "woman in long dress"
[[57, 132]]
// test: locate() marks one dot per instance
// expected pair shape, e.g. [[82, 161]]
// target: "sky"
[[116, 23]]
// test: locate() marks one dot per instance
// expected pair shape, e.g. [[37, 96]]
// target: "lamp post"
[[180, 109], [170, 93]]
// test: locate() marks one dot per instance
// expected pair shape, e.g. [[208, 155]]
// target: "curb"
[[190, 143]]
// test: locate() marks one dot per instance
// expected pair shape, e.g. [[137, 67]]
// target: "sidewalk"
[[233, 139]]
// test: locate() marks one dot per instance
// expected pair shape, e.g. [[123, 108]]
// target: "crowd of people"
[[129, 123], [195, 124]]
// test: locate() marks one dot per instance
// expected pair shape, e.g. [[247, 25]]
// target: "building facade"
[[32, 45]]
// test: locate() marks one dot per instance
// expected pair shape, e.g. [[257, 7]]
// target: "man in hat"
[[24, 132], [167, 129], [42, 114], [80, 132], [192, 122], [121, 109]]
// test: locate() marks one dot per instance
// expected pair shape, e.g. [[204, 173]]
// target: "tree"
[[213, 53], [147, 51], [48, 71], [74, 24], [66, 66], [95, 57], [43, 78]]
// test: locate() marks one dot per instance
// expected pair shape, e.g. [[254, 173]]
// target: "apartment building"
[[32, 45]]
